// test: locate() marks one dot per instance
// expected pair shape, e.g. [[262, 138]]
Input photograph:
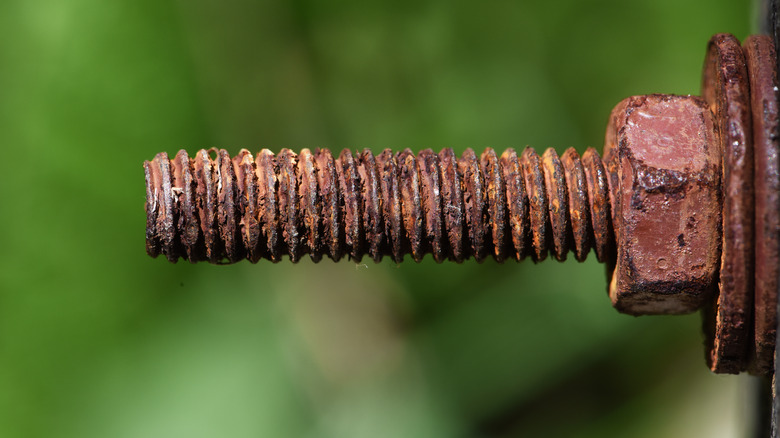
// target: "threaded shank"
[[222, 209]]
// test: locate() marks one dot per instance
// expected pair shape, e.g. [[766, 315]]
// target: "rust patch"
[[558, 203], [310, 204], [598, 202], [330, 202], [226, 208], [669, 185], [761, 65], [391, 205], [537, 201], [428, 166], [184, 197], [577, 189], [452, 200], [246, 187], [268, 206], [222, 210], [289, 209], [517, 203], [496, 203], [474, 201], [372, 216], [725, 87], [411, 206], [348, 185]]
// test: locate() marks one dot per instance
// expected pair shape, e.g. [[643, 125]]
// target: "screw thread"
[[222, 209]]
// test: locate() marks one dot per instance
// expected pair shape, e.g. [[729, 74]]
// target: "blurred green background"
[[99, 340]]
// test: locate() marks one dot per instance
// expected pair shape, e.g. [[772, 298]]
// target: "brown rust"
[[726, 89], [372, 216], [310, 204], [330, 203], [184, 185], [410, 204], [558, 207], [348, 186], [268, 205], [537, 197], [452, 198], [206, 195], [668, 210], [160, 231], [474, 202], [496, 202], [289, 210], [249, 226], [223, 210], [428, 165], [598, 202], [577, 189], [393, 221], [226, 207], [761, 65], [517, 203], [611, 161]]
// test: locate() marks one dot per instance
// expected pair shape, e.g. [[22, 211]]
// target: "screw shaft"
[[222, 209]]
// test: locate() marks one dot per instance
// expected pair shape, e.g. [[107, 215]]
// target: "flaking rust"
[[761, 65], [726, 89], [668, 204], [222, 210], [670, 208]]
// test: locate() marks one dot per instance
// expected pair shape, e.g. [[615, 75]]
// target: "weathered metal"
[[668, 204], [223, 210], [669, 209], [726, 89], [761, 66]]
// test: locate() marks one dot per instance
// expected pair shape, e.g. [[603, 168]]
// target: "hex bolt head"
[[668, 204]]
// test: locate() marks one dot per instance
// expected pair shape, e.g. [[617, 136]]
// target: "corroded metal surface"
[[670, 208], [668, 204], [761, 63], [725, 88], [496, 203], [577, 188], [218, 209], [555, 186], [597, 179], [517, 202], [537, 203]]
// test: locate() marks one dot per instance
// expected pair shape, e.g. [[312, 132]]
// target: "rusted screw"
[[670, 207], [225, 210]]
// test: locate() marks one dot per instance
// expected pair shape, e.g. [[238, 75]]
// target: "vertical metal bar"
[[769, 24]]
